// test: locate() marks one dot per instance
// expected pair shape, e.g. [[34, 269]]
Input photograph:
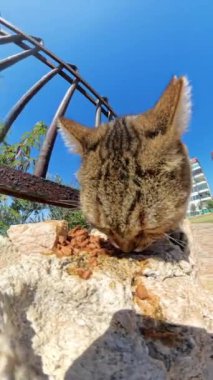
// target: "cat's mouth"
[[122, 244], [135, 245], [114, 244], [127, 246], [138, 249], [122, 248]]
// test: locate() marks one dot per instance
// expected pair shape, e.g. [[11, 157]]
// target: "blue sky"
[[127, 50]]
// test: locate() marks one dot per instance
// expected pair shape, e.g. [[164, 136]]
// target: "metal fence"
[[35, 187]]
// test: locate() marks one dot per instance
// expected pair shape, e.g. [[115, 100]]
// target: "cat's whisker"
[[69, 202], [179, 242]]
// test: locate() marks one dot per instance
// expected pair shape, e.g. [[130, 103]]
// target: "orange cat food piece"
[[93, 261], [95, 239], [62, 239], [66, 251], [73, 231], [141, 292], [85, 274]]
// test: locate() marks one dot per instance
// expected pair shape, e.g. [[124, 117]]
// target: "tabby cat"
[[135, 177]]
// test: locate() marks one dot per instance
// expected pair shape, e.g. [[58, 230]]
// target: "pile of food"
[[79, 239], [84, 249]]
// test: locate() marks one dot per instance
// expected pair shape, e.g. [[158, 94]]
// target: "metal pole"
[[19, 106], [9, 61], [53, 56], [10, 38], [47, 147], [62, 74], [98, 114]]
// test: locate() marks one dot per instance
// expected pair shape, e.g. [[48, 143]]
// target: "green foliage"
[[209, 204], [74, 218], [200, 206], [18, 211], [193, 208], [19, 156], [8, 216]]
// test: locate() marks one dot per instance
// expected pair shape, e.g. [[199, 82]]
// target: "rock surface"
[[37, 237], [138, 317], [203, 234]]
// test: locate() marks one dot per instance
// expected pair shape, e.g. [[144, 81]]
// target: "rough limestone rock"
[[37, 237], [138, 317]]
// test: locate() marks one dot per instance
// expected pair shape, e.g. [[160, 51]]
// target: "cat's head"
[[135, 177]]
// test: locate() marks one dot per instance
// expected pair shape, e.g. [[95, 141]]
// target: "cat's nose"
[[124, 246], [127, 246]]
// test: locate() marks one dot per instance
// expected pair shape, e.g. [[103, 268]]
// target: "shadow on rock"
[[18, 334], [173, 248], [141, 348]]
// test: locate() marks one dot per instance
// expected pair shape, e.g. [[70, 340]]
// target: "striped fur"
[[135, 173]]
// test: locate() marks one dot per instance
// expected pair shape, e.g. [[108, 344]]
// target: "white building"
[[200, 188]]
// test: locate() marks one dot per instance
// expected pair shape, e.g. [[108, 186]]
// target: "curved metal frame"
[[12, 181]]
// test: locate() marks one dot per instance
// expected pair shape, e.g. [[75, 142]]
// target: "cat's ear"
[[74, 134], [173, 109]]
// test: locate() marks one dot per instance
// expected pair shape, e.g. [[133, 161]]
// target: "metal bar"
[[98, 114], [10, 38], [110, 116], [19, 106], [9, 61], [53, 56], [47, 147], [27, 186], [92, 100], [38, 39], [63, 75]]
